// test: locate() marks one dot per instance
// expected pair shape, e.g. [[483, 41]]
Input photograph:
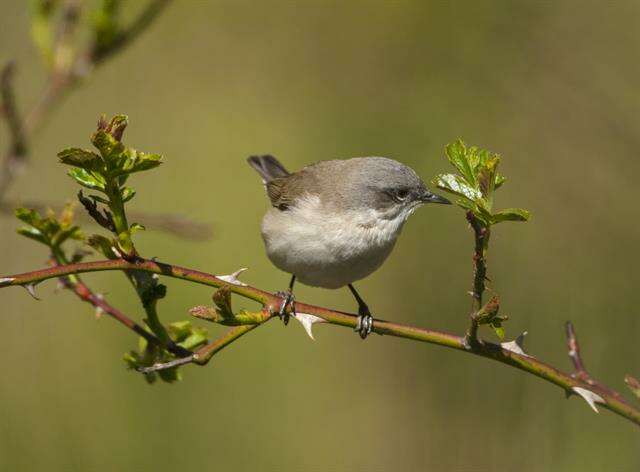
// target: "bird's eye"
[[401, 194]]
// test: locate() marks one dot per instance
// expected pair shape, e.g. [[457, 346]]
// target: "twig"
[[124, 38], [203, 355], [481, 239], [574, 354], [613, 402], [581, 372], [18, 143]]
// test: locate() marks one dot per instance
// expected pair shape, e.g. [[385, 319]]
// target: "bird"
[[335, 222]]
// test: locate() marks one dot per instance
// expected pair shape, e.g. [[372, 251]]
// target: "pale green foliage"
[[49, 230], [476, 182]]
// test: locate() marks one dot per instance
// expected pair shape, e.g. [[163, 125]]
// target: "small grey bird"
[[335, 222]]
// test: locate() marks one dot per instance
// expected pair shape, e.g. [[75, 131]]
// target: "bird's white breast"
[[324, 248]]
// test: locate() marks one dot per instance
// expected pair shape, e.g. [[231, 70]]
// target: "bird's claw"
[[365, 325], [288, 300]]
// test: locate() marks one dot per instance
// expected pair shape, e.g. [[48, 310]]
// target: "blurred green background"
[[552, 86]]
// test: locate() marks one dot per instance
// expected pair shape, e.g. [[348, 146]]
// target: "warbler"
[[335, 222]]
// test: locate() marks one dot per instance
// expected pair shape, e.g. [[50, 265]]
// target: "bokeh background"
[[552, 86]]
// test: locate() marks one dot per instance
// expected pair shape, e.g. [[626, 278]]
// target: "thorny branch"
[[581, 372], [504, 353], [481, 239]]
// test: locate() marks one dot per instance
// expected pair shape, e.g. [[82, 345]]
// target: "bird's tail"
[[268, 167]]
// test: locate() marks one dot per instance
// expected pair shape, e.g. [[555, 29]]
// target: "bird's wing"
[[285, 191]]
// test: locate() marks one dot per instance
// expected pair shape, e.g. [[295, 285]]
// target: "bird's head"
[[388, 187]]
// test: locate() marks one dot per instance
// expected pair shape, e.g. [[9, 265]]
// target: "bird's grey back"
[[348, 184], [358, 182]]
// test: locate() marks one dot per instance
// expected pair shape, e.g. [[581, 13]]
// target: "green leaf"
[[97, 198], [32, 233], [86, 179], [456, 184], [500, 179], [81, 158], [510, 214], [131, 161], [457, 154], [109, 147], [197, 338], [498, 329], [31, 217], [180, 330], [136, 227], [487, 175], [127, 194], [103, 245], [73, 232]]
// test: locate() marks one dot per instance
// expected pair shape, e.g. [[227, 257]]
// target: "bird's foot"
[[365, 324], [288, 301]]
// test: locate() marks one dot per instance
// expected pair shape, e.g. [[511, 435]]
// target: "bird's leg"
[[365, 320], [288, 300]]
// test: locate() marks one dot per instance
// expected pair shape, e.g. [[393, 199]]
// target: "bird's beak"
[[428, 197]]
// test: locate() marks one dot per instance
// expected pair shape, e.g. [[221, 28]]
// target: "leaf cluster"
[[476, 182], [113, 163], [49, 230]]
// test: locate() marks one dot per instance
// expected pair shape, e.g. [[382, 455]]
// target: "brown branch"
[[581, 372], [17, 150], [574, 354], [613, 401]]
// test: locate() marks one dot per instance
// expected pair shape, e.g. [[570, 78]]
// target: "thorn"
[[31, 288], [517, 345], [307, 321], [590, 397], [233, 278]]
